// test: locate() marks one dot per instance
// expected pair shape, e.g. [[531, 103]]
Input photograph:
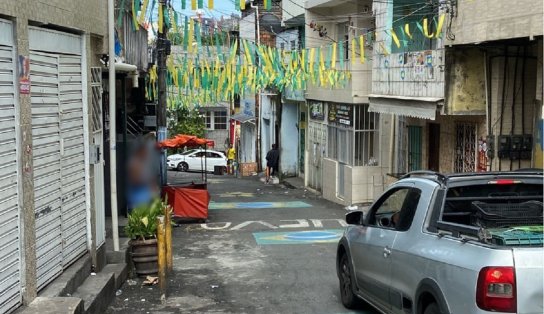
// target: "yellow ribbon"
[[362, 48], [440, 25], [426, 29]]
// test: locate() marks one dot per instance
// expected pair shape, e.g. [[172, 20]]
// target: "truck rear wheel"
[[432, 309]]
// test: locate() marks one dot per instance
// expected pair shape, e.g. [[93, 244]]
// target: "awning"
[[242, 117], [415, 107]]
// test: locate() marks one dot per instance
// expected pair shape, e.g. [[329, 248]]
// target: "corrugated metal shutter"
[[10, 241], [46, 142], [59, 150], [74, 223]]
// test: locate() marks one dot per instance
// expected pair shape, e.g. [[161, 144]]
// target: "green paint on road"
[[257, 205]]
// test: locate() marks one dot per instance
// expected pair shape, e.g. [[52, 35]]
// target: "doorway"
[[434, 147]]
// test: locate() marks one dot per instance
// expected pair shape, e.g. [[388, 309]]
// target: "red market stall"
[[189, 202]]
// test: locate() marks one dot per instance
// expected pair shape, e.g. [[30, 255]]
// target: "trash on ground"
[[131, 282], [119, 292], [150, 281]]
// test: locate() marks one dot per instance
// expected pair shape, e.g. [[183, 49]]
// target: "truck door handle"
[[386, 252]]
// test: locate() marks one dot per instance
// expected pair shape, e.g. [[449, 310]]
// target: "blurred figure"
[[143, 173], [272, 159], [231, 156]]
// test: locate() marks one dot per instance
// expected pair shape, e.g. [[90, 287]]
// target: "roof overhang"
[[242, 118], [415, 107]]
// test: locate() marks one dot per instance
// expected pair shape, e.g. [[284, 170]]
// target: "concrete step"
[[120, 273], [97, 292], [55, 305], [69, 280]]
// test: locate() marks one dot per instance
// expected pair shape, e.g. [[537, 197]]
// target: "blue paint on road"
[[298, 237], [257, 205]]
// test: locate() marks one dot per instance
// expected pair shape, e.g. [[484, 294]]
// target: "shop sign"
[[316, 111], [341, 114]]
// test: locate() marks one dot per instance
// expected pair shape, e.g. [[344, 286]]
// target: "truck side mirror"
[[355, 217]]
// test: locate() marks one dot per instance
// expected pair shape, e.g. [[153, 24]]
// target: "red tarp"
[[183, 140], [189, 202]]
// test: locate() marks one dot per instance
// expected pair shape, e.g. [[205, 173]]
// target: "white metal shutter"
[[10, 241], [46, 142], [73, 210]]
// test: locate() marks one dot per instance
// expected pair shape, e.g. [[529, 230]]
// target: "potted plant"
[[142, 230]]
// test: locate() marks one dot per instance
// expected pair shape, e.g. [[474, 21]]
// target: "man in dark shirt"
[[272, 159]]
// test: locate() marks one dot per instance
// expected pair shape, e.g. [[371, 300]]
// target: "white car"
[[197, 159]]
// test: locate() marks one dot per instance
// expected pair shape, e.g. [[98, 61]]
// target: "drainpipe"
[[258, 103], [113, 132]]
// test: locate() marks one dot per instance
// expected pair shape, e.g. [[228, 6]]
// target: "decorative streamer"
[[193, 4], [200, 4], [267, 4], [161, 18], [121, 13], [362, 48], [407, 30], [134, 15], [426, 29], [440, 25], [353, 51], [242, 5], [183, 4], [395, 38], [141, 19], [333, 58], [237, 4], [210, 4]]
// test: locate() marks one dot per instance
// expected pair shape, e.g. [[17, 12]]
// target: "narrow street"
[[255, 255]]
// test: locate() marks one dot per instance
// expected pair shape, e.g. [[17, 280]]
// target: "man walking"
[[272, 159]]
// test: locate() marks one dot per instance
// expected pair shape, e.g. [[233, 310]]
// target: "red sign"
[[24, 75]]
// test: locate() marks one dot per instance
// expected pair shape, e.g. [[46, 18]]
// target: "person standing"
[[272, 160], [231, 155]]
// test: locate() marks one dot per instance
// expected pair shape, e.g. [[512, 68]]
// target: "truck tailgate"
[[529, 279]]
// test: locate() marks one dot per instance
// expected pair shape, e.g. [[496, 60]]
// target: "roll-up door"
[[46, 144], [60, 181], [10, 241]]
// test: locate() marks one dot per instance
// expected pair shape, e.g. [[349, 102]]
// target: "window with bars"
[[357, 145], [209, 119], [367, 137]]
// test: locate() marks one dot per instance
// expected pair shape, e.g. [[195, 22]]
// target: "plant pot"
[[144, 256]]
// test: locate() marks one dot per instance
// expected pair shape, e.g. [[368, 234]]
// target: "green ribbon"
[[121, 13], [183, 4], [186, 34]]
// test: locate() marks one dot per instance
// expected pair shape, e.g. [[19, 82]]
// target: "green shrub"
[[142, 221]]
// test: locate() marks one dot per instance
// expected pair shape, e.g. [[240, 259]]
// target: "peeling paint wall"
[[465, 81]]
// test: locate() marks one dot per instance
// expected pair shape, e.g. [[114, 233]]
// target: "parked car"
[[197, 159], [462, 243]]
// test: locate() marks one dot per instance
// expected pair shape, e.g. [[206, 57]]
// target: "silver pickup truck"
[[463, 243]]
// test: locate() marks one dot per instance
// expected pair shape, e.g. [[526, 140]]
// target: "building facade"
[[48, 54], [347, 146]]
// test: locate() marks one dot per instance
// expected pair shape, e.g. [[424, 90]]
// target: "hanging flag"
[[134, 15], [186, 34], [193, 4], [333, 57], [200, 4], [121, 13], [440, 25], [183, 4], [426, 29], [141, 19], [353, 51], [395, 38], [237, 4], [210, 4], [242, 5], [161, 18], [191, 34], [362, 48], [342, 55], [407, 30]]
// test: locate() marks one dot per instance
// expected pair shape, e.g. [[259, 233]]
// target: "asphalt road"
[[265, 249]]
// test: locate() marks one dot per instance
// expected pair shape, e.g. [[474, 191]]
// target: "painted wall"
[[479, 21], [268, 122], [288, 141], [247, 142], [465, 81]]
